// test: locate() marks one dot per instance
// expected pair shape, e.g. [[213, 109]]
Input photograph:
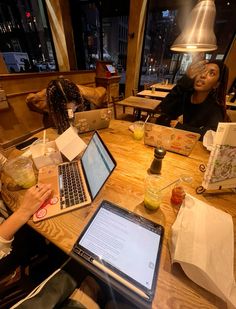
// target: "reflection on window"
[[163, 25], [25, 40]]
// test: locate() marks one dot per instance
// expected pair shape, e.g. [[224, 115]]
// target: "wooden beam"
[[62, 33], [230, 61], [3, 67], [138, 9]]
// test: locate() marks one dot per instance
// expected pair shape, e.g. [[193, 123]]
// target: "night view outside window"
[[100, 33], [164, 21], [25, 39]]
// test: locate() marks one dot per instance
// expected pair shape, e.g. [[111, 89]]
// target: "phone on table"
[[26, 143]]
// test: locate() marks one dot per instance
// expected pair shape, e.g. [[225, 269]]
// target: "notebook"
[[123, 249], [92, 120], [172, 139], [221, 167], [76, 184]]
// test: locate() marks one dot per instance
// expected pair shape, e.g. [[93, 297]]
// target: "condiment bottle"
[[156, 165], [177, 196]]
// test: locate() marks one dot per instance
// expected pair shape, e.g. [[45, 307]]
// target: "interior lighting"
[[198, 34]]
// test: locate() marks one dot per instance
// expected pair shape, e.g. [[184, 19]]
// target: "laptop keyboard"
[[71, 185]]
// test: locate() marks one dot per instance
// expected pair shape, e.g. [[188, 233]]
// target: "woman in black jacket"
[[199, 96]]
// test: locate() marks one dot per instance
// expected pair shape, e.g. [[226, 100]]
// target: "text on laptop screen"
[[129, 247], [97, 164]]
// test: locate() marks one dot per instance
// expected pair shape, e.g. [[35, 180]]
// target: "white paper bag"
[[70, 144], [202, 242]]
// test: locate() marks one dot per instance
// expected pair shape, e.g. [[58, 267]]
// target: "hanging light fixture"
[[198, 34]]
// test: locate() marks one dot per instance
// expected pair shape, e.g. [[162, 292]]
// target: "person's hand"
[[196, 68], [33, 199], [173, 123]]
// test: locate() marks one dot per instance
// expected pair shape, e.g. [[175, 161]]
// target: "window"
[[162, 28], [25, 38], [100, 32]]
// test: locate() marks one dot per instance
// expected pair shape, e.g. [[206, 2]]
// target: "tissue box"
[[45, 154]]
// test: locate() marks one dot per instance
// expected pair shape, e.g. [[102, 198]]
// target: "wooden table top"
[[125, 187], [231, 103], [163, 87], [140, 103], [153, 94]]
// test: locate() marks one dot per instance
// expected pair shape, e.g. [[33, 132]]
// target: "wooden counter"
[[125, 187]]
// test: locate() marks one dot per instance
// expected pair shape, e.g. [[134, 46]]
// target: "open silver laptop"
[[75, 184], [92, 120], [172, 139]]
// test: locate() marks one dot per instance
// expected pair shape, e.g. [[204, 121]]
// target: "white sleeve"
[[5, 247]]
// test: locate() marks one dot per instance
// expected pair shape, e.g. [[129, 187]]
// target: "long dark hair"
[[60, 92], [220, 91]]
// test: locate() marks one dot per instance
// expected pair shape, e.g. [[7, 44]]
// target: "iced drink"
[[138, 130], [152, 195], [21, 171]]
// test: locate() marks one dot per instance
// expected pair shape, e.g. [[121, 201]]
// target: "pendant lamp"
[[198, 34]]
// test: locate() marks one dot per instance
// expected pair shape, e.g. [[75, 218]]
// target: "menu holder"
[[220, 172], [105, 69]]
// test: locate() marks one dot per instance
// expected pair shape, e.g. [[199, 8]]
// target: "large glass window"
[[100, 32], [25, 38], [164, 20]]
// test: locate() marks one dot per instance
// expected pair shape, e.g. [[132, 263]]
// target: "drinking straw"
[[184, 178], [44, 142], [146, 119]]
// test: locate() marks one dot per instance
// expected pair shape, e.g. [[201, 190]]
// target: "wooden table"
[[163, 87], [125, 187], [153, 94], [141, 104], [230, 104]]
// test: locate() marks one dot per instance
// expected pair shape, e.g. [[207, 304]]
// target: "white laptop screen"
[[125, 245], [97, 164]]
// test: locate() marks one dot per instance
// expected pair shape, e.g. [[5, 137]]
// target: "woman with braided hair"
[[63, 95]]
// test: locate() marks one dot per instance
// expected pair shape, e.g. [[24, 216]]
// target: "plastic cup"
[[21, 171], [152, 194], [138, 130]]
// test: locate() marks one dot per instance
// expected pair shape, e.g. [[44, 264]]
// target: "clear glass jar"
[[21, 171], [152, 194]]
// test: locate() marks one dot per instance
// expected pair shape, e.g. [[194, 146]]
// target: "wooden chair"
[[114, 100], [134, 92], [147, 85]]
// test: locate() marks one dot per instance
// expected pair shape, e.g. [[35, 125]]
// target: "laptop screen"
[[97, 164]]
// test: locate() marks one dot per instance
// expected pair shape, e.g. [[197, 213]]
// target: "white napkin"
[[202, 242], [208, 139]]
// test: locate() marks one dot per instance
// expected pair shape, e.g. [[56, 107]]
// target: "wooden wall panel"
[[17, 83], [18, 122]]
